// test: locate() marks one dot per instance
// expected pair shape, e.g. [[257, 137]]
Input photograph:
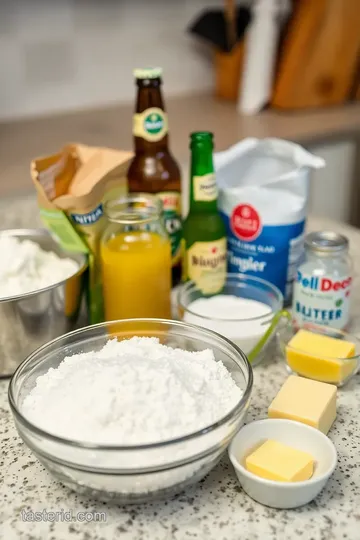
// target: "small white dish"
[[297, 435]]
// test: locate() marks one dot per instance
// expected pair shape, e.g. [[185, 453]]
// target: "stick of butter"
[[274, 460], [321, 357], [307, 401]]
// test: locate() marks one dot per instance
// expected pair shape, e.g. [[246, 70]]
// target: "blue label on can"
[[90, 217], [270, 252]]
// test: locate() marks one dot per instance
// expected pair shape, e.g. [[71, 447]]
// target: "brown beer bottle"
[[153, 168]]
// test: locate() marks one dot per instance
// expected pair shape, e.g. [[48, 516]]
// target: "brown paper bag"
[[72, 187]]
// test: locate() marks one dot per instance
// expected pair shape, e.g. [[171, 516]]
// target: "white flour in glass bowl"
[[130, 393]]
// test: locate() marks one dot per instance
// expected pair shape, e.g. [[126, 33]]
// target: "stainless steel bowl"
[[137, 473], [29, 320]]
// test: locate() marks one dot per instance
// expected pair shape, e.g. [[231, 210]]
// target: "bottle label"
[[206, 265], [172, 215], [205, 188], [151, 124], [322, 299]]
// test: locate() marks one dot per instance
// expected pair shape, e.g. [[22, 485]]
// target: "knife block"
[[228, 67]]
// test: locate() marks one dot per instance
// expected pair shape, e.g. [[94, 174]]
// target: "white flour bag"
[[263, 193]]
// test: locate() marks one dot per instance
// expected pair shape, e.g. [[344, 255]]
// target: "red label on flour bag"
[[246, 222], [263, 192]]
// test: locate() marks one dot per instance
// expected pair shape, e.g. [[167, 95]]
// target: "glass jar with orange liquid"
[[136, 259]]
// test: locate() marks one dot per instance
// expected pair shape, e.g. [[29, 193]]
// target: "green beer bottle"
[[204, 233]]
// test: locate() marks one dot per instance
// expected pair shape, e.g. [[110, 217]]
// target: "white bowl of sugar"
[[243, 311]]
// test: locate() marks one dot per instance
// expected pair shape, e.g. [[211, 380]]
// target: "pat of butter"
[[321, 357], [274, 460], [307, 401]]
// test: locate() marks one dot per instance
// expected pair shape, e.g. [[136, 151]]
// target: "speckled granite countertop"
[[216, 508]]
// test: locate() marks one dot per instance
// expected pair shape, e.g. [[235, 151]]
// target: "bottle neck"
[[203, 189], [143, 146], [150, 121]]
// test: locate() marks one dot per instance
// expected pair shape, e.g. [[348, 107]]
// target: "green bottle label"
[[172, 216], [205, 188], [151, 124], [205, 264]]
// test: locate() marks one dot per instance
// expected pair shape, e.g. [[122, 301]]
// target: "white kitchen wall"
[[58, 55], [67, 54], [332, 187]]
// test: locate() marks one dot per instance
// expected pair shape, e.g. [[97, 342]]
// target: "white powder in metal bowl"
[[25, 267], [132, 392]]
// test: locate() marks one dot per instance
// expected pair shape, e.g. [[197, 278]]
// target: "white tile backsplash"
[[72, 54], [7, 18], [194, 7], [49, 62], [93, 14], [41, 19]]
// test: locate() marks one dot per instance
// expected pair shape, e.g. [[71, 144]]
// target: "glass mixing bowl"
[[251, 333], [131, 473]]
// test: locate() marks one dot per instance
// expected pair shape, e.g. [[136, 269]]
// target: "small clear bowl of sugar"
[[245, 311]]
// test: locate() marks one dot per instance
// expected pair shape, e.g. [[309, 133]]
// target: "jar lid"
[[326, 242], [133, 209], [147, 73]]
